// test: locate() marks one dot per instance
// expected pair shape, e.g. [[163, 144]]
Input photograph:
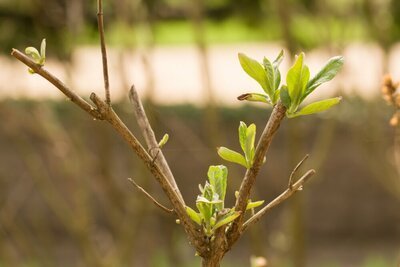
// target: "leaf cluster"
[[298, 83]]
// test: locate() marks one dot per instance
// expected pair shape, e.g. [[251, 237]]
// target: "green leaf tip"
[[254, 69], [38, 58], [231, 156]]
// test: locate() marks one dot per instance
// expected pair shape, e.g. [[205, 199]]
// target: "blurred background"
[[64, 195]]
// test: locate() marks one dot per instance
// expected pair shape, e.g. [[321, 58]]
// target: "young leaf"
[[34, 53], [232, 156], [269, 70], [285, 98], [163, 141], [250, 139], [254, 70], [316, 107], [226, 219], [217, 176], [193, 215], [254, 97], [42, 52], [205, 210], [277, 73], [252, 205], [327, 73], [297, 79], [242, 135]]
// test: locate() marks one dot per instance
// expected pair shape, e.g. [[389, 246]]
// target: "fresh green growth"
[[266, 74], [298, 83], [210, 203], [163, 141], [39, 58], [247, 136]]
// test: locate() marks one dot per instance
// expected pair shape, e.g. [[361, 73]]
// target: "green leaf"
[[277, 76], [254, 97], [217, 175], [297, 79], [242, 135], [232, 156], [226, 219], [252, 205], [250, 139], [285, 98], [327, 73], [205, 210], [33, 53], [254, 69], [269, 70], [42, 52], [316, 107], [193, 215]]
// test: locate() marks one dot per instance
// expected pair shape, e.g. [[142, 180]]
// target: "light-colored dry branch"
[[152, 199], [103, 51], [290, 184], [278, 200], [150, 139], [274, 121]]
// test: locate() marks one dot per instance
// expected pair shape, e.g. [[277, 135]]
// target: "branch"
[[104, 112], [57, 83], [103, 51], [290, 185], [278, 200], [152, 199], [150, 139], [277, 115]]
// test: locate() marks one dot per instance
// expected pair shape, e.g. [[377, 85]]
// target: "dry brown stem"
[[103, 51], [150, 139]]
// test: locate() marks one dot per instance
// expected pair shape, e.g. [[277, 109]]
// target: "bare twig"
[[277, 115], [103, 51], [282, 197], [150, 139], [105, 112], [290, 185], [57, 83], [158, 204]]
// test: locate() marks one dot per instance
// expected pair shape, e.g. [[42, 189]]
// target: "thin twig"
[[274, 121], [83, 104], [290, 185], [150, 139], [103, 51], [158, 204], [282, 197]]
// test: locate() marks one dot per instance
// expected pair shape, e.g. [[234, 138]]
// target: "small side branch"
[[278, 200], [83, 104], [290, 185], [103, 51], [150, 139], [152, 199]]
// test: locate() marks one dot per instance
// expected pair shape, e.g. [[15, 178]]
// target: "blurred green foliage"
[[312, 22]]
